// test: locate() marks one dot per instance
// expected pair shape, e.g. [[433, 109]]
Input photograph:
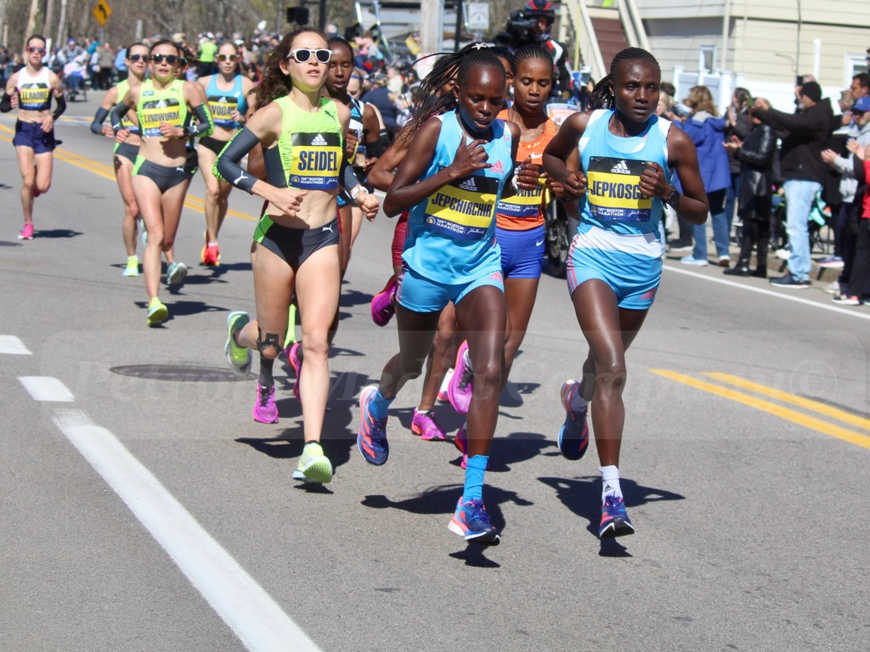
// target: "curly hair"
[[275, 83], [701, 99]]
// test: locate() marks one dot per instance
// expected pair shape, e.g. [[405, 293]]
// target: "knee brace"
[[271, 340]]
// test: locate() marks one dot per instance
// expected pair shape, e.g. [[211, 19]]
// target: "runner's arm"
[[194, 94]]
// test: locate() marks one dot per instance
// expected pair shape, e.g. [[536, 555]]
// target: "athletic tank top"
[[34, 91], [613, 166], [451, 233], [520, 209], [357, 110], [122, 88], [223, 103], [308, 152], [157, 106]]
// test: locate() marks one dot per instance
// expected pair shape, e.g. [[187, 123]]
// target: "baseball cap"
[[862, 104]]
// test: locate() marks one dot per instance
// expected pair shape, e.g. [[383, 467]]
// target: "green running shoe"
[[313, 466], [132, 268], [239, 357], [290, 336], [157, 312]]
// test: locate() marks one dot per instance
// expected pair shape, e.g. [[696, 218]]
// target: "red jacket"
[[865, 213]]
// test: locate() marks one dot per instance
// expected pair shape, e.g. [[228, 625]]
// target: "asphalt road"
[[141, 513]]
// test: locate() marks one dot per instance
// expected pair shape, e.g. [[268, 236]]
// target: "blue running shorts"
[[420, 294], [522, 252]]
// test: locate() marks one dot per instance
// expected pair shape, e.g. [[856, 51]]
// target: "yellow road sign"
[[101, 12]]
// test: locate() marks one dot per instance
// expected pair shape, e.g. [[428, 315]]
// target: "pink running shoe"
[[26, 232], [382, 303], [461, 443], [265, 410], [424, 425], [292, 353], [460, 386]]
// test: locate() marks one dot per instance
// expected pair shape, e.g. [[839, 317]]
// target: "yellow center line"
[[787, 414], [815, 406], [108, 172]]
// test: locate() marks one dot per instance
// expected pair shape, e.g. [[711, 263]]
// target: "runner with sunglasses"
[[296, 240], [162, 174], [227, 91], [126, 146], [30, 90], [450, 180]]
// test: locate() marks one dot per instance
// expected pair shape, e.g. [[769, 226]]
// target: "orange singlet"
[[518, 209]]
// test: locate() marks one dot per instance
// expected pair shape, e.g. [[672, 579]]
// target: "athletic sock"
[[266, 378], [578, 403], [610, 482], [474, 477], [379, 405], [467, 359]]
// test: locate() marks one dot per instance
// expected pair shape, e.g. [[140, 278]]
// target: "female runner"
[[227, 91], [451, 180], [297, 238], [614, 267], [160, 177], [33, 87], [126, 147]]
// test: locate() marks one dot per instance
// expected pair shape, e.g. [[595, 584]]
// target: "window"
[[706, 59], [855, 63]]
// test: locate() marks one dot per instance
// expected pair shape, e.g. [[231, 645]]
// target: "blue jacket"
[[708, 134]]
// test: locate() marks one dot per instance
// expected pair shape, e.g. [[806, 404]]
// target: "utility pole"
[[430, 25], [322, 21], [458, 26]]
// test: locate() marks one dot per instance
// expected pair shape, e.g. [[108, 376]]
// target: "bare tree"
[[49, 16], [31, 18]]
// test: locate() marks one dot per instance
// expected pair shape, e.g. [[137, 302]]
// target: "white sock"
[[610, 482], [577, 400], [467, 358]]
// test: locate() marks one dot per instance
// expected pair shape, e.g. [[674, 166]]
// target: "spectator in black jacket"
[[755, 155], [804, 136], [737, 123]]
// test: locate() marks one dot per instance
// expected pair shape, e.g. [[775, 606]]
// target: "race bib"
[[521, 203], [33, 96], [315, 161], [222, 109], [463, 209], [155, 112], [613, 190]]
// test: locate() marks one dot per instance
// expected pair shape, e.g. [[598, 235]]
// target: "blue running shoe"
[[574, 433], [471, 522], [614, 519], [372, 436]]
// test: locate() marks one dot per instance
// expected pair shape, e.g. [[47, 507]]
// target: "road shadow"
[[442, 500], [583, 497], [354, 298], [846, 408], [185, 308], [56, 233], [223, 268], [338, 438], [512, 394], [204, 278]]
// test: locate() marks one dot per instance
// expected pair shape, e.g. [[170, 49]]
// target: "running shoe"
[[290, 335], [313, 466], [157, 312], [372, 436], [26, 231], [691, 260], [239, 357], [460, 387], [614, 519], [265, 410], [471, 522], [424, 425], [132, 267], [382, 303], [846, 299], [296, 362], [211, 255], [460, 440], [175, 274], [574, 433], [723, 261], [442, 391]]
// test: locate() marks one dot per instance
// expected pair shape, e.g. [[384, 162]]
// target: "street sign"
[[101, 12], [477, 16]]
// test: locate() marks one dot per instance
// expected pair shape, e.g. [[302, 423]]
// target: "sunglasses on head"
[[171, 59], [34, 50], [138, 57], [227, 57], [301, 55]]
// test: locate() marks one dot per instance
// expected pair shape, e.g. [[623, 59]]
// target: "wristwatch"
[[673, 199]]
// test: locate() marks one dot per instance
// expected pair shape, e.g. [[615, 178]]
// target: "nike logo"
[[180, 170], [241, 176], [538, 243], [328, 227]]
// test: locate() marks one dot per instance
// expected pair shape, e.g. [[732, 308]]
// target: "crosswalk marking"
[[46, 388], [11, 345]]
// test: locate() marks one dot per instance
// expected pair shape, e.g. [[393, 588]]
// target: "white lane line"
[[11, 345], [242, 603], [861, 314], [46, 388]]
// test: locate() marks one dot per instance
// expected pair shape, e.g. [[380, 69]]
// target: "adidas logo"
[[469, 184], [620, 168], [497, 168], [319, 141]]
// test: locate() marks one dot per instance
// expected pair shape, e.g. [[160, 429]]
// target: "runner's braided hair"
[[602, 94], [450, 69], [532, 51]]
